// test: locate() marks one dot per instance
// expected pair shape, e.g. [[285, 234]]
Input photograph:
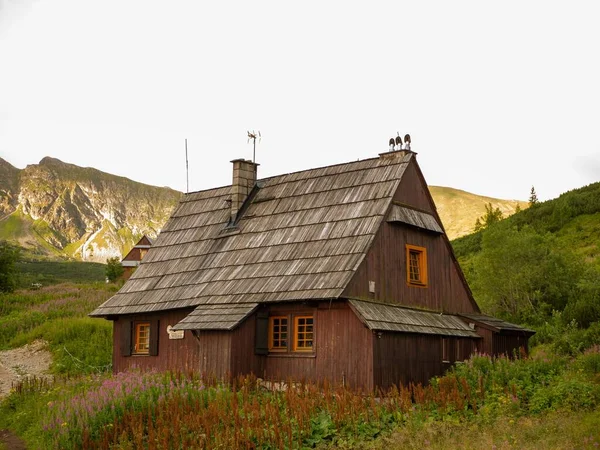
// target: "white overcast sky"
[[497, 96]]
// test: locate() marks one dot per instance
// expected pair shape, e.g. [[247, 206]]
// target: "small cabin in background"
[[135, 255]]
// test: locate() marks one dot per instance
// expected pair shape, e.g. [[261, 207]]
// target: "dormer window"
[[416, 266]]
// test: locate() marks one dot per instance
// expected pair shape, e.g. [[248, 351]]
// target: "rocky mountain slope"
[[60, 209]]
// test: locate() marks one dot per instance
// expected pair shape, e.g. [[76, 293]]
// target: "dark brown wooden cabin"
[[342, 273], [133, 258]]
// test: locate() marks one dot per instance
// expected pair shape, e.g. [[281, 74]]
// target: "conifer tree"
[[532, 197]]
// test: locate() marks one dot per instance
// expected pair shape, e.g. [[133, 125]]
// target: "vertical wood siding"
[[412, 191], [345, 351], [486, 345], [402, 358], [496, 343], [215, 353], [385, 264], [509, 344], [175, 354], [243, 358]]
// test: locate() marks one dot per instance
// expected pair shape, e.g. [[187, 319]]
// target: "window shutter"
[[262, 333], [154, 326], [126, 338]]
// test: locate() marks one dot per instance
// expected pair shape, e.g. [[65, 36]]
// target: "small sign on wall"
[[175, 334], [372, 287]]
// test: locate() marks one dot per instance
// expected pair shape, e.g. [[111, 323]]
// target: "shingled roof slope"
[[302, 237], [496, 324], [380, 317]]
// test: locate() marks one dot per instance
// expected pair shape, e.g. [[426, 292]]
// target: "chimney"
[[244, 179], [392, 154]]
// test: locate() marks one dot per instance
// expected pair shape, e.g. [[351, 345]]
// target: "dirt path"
[[10, 441], [31, 359]]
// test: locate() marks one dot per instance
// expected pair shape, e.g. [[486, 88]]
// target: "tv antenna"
[[253, 136], [187, 177]]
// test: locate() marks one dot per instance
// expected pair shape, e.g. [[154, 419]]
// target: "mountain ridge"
[[63, 210]]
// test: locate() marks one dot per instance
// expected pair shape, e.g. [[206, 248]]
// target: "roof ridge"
[[395, 162], [389, 162]]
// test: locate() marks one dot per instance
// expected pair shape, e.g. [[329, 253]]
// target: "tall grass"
[[151, 410], [58, 315]]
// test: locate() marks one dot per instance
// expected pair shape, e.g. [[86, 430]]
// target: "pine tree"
[[532, 197]]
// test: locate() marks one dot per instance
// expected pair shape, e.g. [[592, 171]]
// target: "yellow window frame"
[[279, 332], [304, 333], [416, 265], [141, 338]]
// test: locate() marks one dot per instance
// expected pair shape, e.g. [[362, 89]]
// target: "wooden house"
[[133, 258], [341, 273]]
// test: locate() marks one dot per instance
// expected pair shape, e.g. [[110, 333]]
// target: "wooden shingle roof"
[[216, 317], [302, 237], [415, 218], [382, 317], [495, 324]]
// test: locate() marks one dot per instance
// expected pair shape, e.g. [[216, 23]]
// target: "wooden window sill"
[[292, 355]]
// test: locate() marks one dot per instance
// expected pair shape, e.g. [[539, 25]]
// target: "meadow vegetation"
[[152, 410], [57, 314], [495, 402]]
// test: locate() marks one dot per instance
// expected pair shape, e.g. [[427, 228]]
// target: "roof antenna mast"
[[253, 136], [187, 177]]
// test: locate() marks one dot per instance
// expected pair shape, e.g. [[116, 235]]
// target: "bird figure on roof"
[[391, 144], [407, 141], [398, 142]]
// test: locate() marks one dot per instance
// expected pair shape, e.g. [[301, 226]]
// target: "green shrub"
[[589, 361], [114, 269], [9, 255], [573, 393]]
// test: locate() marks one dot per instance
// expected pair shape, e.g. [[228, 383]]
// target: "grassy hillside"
[[460, 209], [541, 266], [48, 272], [573, 218], [58, 315]]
